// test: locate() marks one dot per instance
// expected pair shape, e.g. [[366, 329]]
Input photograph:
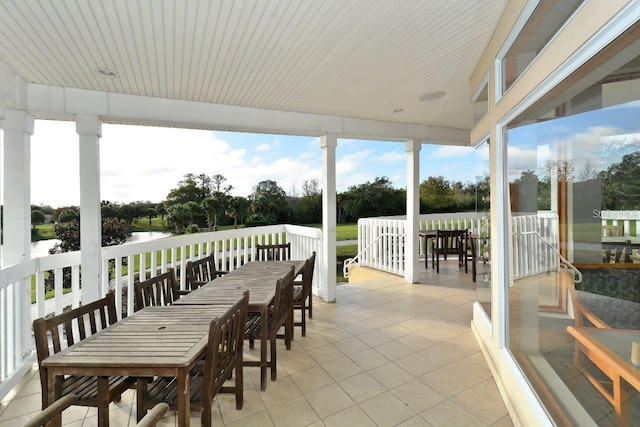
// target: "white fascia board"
[[64, 103], [13, 89]]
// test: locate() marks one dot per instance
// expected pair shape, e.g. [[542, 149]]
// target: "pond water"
[[41, 247]]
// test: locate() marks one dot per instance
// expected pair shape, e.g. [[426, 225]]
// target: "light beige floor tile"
[[311, 379], [503, 422], [282, 390], [445, 381], [342, 368], [326, 353], [329, 400], [259, 419], [252, 403], [387, 410], [448, 414], [416, 364], [417, 421], [362, 387], [393, 350], [418, 395], [374, 338], [482, 401], [369, 359], [353, 416], [294, 413], [351, 346], [390, 375]]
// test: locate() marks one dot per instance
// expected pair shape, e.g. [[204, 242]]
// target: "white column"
[[329, 144], [412, 241], [89, 131], [18, 128]]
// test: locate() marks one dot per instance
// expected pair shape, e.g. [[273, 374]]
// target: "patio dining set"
[[181, 346]]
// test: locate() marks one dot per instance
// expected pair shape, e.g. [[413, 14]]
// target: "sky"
[[140, 163]]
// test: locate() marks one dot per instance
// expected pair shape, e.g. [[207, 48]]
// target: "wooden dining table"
[[155, 341], [257, 277]]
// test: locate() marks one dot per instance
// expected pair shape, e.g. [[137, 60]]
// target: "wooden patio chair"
[[202, 271], [279, 252], [159, 290], [279, 314], [449, 242], [223, 357], [63, 330], [302, 297], [55, 410]]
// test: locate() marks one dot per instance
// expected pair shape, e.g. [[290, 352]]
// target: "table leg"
[[263, 348], [621, 396], [141, 389], [184, 398], [103, 401], [54, 392]]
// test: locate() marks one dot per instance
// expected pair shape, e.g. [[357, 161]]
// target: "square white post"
[[328, 143], [89, 131], [412, 241]]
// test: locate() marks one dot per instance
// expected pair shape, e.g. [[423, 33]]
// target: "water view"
[[41, 247]]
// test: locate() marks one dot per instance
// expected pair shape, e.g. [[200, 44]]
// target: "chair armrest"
[[52, 411], [154, 415]]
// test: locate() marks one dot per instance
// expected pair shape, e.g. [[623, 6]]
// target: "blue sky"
[[145, 163]]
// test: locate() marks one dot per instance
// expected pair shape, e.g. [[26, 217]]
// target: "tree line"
[[205, 202]]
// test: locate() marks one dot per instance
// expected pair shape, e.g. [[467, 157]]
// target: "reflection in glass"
[[574, 174]]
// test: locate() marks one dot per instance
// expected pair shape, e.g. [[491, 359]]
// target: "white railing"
[[231, 249], [381, 244], [351, 261], [535, 244], [535, 240], [628, 220], [381, 240]]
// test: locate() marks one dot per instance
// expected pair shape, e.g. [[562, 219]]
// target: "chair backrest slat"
[[279, 252], [201, 271], [224, 349], [159, 290], [283, 299], [52, 333]]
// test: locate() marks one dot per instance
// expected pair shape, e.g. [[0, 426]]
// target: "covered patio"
[[386, 353]]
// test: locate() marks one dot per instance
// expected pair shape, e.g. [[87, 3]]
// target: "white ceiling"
[[349, 58]]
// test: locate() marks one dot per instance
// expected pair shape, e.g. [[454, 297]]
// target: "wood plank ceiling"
[[351, 58]]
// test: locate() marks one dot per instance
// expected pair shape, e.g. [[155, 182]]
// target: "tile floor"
[[387, 353]]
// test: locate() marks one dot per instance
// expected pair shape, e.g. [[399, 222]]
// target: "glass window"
[[547, 18], [483, 205], [574, 174]]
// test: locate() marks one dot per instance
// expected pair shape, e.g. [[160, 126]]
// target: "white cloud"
[[263, 147]]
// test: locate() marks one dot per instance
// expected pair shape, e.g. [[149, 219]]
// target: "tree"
[[375, 198], [69, 215], [237, 208], [178, 216], [191, 189], [37, 217], [619, 184], [310, 207], [109, 210], [269, 202], [437, 194]]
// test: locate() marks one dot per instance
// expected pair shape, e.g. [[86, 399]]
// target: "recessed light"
[[430, 96], [106, 73], [398, 110]]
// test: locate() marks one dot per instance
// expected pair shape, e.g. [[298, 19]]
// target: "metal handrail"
[[575, 273], [347, 262]]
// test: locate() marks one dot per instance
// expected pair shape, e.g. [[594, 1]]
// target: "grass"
[[42, 232], [142, 224]]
